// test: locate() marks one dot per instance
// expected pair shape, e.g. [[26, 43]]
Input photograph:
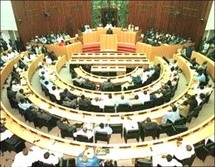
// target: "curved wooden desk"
[[59, 81], [82, 116], [108, 56], [117, 151], [68, 50]]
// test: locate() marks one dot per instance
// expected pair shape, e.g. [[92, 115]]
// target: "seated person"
[[80, 80], [67, 94], [70, 103], [109, 31], [144, 96], [172, 115], [64, 124], [184, 108], [192, 103], [98, 102], [4, 133], [122, 100], [136, 100], [103, 128], [85, 132], [84, 102], [136, 80], [165, 160], [24, 104], [108, 25], [87, 159], [109, 101], [201, 77], [62, 43], [89, 84], [130, 124], [148, 125], [107, 85], [183, 151]]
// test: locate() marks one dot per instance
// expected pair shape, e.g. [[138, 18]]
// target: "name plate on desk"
[[102, 151]]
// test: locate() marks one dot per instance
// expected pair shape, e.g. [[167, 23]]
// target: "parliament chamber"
[[59, 90]]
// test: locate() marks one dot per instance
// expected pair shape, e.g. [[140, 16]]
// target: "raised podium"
[[108, 42]]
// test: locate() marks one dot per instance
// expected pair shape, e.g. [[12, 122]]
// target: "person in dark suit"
[[67, 94], [64, 124], [107, 85], [192, 102], [109, 31], [150, 128], [84, 102], [89, 84]]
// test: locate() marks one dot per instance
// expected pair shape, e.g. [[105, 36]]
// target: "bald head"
[[189, 148]]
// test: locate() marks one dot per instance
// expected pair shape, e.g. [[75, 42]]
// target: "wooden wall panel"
[[41, 17], [142, 13], [185, 18]]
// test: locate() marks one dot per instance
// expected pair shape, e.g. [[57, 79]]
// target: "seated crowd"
[[156, 38], [19, 100], [51, 38]]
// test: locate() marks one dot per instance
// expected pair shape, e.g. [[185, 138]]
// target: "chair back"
[[123, 108], [148, 104], [109, 109], [94, 108], [159, 101], [102, 136], [143, 162], [130, 134], [137, 107], [83, 138], [188, 161]]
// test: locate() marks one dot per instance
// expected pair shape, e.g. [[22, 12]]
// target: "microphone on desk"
[[35, 141]]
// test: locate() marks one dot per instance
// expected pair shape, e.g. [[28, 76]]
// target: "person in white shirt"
[[98, 102], [24, 104], [4, 57], [35, 153], [200, 98], [109, 101], [122, 100], [165, 160], [85, 132], [171, 115], [23, 159], [15, 86], [10, 55], [144, 77], [173, 64], [144, 96], [48, 85], [108, 25], [4, 133], [56, 92], [32, 56], [48, 60], [184, 151], [136, 100], [103, 128], [130, 124]]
